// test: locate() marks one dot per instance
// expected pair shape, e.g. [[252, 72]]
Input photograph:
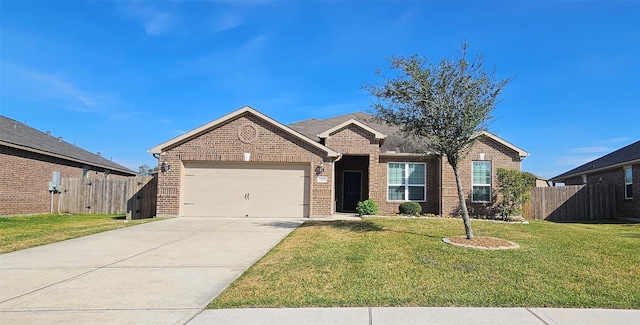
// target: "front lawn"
[[20, 232], [403, 262]]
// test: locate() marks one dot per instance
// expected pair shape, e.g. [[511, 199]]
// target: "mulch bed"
[[480, 242]]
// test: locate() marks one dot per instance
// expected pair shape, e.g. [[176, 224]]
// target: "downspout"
[[333, 182]]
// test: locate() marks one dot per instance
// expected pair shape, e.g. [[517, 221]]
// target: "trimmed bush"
[[367, 207], [410, 208]]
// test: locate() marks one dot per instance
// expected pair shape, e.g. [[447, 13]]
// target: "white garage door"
[[244, 189]]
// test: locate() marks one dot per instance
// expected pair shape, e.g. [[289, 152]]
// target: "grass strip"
[[20, 232]]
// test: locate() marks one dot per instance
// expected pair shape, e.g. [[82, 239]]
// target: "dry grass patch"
[[391, 262]]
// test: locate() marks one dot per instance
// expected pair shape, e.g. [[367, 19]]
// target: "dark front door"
[[352, 190]]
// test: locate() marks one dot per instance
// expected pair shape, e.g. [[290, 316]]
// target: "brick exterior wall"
[[353, 140], [379, 194], [225, 143], [228, 142], [25, 177], [500, 157], [625, 208]]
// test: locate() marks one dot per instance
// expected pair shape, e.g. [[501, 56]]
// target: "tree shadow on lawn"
[[280, 224], [359, 226], [119, 217], [355, 226]]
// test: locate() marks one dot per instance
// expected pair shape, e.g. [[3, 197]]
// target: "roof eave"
[[246, 109], [377, 134], [560, 178], [408, 154], [523, 154]]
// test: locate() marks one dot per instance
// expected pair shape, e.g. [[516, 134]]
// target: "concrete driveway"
[[162, 272]]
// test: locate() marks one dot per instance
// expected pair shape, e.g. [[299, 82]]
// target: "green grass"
[[20, 232], [403, 262]]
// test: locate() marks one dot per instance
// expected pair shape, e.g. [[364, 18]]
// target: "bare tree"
[[445, 105]]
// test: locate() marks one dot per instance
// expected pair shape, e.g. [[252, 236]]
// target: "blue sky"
[[120, 77]]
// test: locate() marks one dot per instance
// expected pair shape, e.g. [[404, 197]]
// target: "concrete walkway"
[[418, 315], [163, 272]]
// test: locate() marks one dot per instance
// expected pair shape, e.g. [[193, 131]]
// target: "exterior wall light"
[[320, 168], [164, 166]]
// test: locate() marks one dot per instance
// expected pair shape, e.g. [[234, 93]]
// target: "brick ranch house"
[[247, 164], [620, 168], [29, 159]]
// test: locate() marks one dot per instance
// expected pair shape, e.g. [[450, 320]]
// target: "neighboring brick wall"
[[574, 181], [25, 177], [500, 157], [228, 142], [624, 208]]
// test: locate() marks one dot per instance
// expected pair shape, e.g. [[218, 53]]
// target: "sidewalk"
[[417, 315]]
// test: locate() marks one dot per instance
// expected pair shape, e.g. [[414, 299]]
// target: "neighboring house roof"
[[21, 136], [621, 157], [394, 140], [204, 128]]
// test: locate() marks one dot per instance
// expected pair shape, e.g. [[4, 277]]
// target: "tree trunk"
[[463, 205]]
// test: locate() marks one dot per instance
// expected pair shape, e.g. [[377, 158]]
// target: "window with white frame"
[[628, 184], [481, 181], [406, 182]]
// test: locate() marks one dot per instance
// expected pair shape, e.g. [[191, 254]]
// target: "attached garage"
[[245, 189]]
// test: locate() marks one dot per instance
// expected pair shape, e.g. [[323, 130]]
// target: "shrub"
[[367, 207], [410, 208], [515, 188]]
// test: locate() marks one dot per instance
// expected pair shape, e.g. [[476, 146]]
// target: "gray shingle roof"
[[623, 155], [395, 141], [28, 138]]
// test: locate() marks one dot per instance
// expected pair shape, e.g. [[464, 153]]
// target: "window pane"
[[481, 194], [482, 172], [628, 179], [416, 174], [396, 174], [628, 191], [416, 193], [396, 193]]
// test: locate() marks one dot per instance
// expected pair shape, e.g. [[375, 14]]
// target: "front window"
[[406, 182], [628, 184], [481, 183]]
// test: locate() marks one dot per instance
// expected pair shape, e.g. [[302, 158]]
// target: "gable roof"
[[505, 143], [619, 158], [394, 142], [21, 136], [327, 133], [247, 109]]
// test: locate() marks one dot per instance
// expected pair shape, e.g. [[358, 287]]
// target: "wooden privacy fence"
[[135, 196], [580, 202]]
